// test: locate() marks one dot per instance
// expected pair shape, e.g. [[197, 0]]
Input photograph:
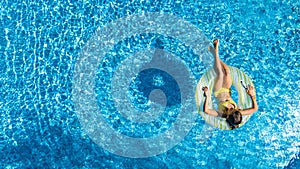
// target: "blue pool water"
[[41, 43]]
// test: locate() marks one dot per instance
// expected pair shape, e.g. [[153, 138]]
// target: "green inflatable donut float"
[[244, 101]]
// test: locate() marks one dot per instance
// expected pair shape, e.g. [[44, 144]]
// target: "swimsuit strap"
[[232, 102], [223, 105]]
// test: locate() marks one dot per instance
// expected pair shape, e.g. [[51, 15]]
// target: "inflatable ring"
[[244, 101]]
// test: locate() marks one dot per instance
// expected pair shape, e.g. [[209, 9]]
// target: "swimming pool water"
[[41, 42]]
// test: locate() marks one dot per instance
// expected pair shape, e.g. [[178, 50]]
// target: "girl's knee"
[[226, 71]]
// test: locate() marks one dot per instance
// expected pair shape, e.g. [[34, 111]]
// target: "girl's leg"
[[217, 66], [227, 81], [223, 78]]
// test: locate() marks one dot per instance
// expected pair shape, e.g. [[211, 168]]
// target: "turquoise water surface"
[[43, 45]]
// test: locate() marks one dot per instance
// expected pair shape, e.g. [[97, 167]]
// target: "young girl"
[[227, 108]]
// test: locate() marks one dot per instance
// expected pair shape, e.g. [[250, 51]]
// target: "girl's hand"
[[205, 90], [250, 90]]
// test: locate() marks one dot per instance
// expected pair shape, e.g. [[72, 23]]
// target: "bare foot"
[[216, 43], [214, 49]]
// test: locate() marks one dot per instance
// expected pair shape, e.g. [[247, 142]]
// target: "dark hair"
[[234, 119]]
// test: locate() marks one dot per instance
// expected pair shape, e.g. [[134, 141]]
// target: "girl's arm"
[[254, 107], [205, 105]]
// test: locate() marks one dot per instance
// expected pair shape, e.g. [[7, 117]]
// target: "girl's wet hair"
[[234, 119]]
